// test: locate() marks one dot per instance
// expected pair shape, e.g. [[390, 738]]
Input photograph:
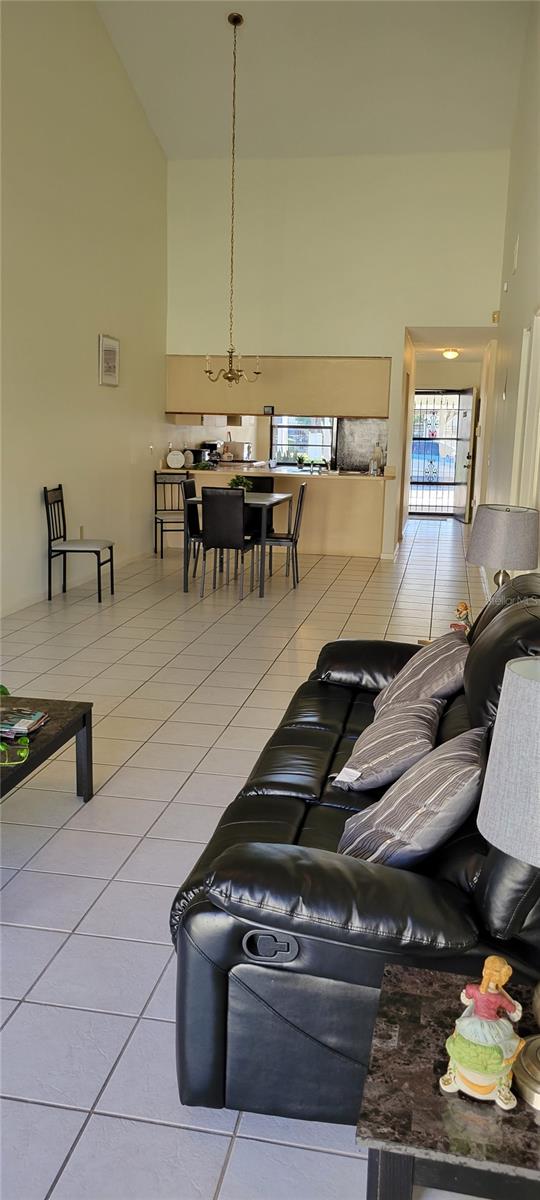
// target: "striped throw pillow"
[[424, 807], [403, 734], [434, 671]]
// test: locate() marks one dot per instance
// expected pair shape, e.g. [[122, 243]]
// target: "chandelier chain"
[[233, 182]]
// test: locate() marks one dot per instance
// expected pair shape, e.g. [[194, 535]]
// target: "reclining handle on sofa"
[[362, 664], [323, 894]]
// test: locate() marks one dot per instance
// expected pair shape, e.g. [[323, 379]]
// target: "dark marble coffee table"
[[67, 719], [417, 1135]]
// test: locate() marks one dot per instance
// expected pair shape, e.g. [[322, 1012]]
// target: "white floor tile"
[[59, 1055], [289, 1173], [116, 1159], [167, 861], [144, 1083], [36, 1140], [24, 954], [48, 901], [103, 974], [83, 852], [136, 911]]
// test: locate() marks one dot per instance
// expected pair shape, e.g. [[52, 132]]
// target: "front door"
[[442, 458]]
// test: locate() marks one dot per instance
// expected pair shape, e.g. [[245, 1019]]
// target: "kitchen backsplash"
[[356, 437]]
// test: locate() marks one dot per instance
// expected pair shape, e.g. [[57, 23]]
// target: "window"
[[313, 437]]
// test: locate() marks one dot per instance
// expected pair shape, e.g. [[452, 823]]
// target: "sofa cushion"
[[424, 807], [399, 737], [320, 706], [436, 671]]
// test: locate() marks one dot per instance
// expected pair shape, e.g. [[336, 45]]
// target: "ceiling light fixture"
[[234, 372], [450, 353]]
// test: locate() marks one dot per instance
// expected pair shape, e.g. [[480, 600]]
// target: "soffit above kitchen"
[[320, 78]]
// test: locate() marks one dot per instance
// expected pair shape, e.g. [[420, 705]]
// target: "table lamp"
[[506, 536], [509, 812]]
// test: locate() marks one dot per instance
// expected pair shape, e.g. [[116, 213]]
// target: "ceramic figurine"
[[463, 615], [484, 1046]]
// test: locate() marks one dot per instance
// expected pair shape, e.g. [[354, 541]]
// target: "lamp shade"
[[504, 536], [509, 812]]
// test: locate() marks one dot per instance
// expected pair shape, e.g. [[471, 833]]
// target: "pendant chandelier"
[[234, 372]]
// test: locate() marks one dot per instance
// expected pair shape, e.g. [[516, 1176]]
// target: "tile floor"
[[185, 694]]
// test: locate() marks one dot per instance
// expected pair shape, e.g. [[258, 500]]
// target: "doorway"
[[442, 453]]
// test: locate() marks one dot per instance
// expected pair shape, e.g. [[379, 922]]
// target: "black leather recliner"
[[281, 942]]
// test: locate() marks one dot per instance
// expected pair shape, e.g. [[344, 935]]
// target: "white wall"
[[522, 299], [336, 257], [84, 236]]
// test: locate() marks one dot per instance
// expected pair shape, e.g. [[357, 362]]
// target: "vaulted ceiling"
[[324, 78]]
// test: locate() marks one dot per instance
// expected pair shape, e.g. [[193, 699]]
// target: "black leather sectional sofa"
[[281, 942]]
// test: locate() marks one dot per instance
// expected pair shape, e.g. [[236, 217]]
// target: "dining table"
[[262, 501]]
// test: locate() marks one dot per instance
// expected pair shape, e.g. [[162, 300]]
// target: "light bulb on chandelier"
[[234, 371]]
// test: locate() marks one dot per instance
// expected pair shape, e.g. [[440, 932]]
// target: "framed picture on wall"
[[109, 360]]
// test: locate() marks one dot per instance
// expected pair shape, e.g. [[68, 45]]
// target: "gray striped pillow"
[[387, 748], [423, 808], [434, 671]]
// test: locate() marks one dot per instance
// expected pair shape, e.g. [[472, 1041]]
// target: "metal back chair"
[[290, 540], [261, 483], [224, 528], [192, 520], [59, 546], [168, 505]]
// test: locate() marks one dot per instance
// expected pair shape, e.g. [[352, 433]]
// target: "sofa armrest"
[[362, 664], [325, 894]]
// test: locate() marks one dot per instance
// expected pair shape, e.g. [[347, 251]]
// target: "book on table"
[[20, 722]]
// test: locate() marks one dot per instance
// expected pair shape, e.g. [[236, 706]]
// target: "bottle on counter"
[[376, 460]]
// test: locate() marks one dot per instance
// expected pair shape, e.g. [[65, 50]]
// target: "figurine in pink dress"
[[484, 1044]]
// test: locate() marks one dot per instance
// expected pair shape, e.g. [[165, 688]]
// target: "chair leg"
[[270, 548], [155, 536], [161, 536], [112, 570], [295, 552], [252, 570], [214, 576], [196, 558], [242, 556], [203, 575], [98, 578], [236, 564], [288, 562], [228, 567], [64, 572], [49, 578]]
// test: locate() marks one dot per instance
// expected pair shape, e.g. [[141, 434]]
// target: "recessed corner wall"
[[84, 240]]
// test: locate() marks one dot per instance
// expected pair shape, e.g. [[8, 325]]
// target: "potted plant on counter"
[[240, 481]]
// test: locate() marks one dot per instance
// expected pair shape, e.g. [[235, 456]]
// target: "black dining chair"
[[261, 483], [191, 516], [224, 528], [290, 540], [59, 546], [168, 505]]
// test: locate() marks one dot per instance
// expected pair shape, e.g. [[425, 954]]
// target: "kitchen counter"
[[343, 511]]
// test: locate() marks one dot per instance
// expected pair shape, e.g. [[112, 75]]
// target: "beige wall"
[[447, 375], [336, 257], [522, 299], [84, 237]]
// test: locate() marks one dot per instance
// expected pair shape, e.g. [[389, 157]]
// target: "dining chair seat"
[[85, 545]]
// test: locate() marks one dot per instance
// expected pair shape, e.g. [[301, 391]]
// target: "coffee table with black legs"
[[415, 1134], [67, 719]]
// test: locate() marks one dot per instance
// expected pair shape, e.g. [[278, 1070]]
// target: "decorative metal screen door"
[[443, 431]]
